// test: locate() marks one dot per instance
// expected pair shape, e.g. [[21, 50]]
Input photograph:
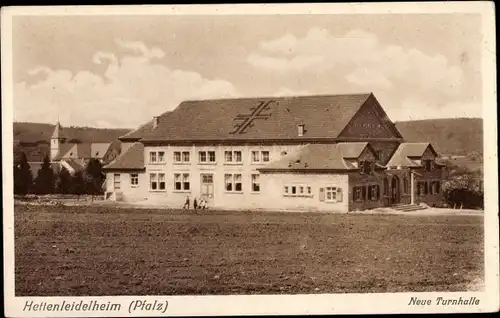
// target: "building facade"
[[313, 153]]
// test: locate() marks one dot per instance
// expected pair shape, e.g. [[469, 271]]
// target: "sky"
[[120, 71]]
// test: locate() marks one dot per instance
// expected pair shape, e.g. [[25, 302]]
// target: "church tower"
[[56, 140]]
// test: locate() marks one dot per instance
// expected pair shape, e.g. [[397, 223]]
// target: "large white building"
[[325, 153]]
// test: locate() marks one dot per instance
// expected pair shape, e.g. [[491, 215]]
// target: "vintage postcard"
[[285, 159]]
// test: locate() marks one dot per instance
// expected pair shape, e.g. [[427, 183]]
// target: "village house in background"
[[318, 153], [74, 156], [69, 148]]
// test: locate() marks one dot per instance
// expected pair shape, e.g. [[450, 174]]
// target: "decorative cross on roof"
[[242, 122]]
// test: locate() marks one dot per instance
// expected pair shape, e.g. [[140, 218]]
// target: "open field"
[[92, 250]]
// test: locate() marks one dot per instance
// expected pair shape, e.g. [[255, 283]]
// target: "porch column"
[[412, 178]]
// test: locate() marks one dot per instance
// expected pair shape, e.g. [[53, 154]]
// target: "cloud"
[[360, 59], [366, 78], [133, 89], [285, 91]]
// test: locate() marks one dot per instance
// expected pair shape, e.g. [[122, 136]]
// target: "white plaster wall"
[[245, 199], [274, 197], [127, 191]]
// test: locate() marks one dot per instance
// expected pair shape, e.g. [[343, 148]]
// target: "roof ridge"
[[274, 97]]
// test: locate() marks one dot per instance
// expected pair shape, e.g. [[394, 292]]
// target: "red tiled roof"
[[137, 134], [320, 157], [98, 150], [406, 151], [132, 159], [323, 117]]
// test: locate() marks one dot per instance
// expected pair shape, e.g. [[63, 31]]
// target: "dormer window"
[[366, 167], [300, 130], [427, 165]]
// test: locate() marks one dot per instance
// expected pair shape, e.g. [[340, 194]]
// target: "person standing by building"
[[186, 204]]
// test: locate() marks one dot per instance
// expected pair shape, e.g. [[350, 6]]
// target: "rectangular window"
[[181, 156], [202, 155], [422, 188], [185, 156], [237, 156], [260, 156], [233, 183], [177, 182], [366, 167], [177, 156], [232, 156], [181, 182], [358, 194], [156, 156], [211, 156], [134, 179], [333, 194], [229, 182], [255, 156], [116, 181], [255, 183], [153, 181], [435, 187], [161, 156], [265, 156], [228, 156], [185, 181], [161, 181], [427, 165], [157, 182], [237, 183], [378, 155], [374, 192], [297, 190], [152, 157]]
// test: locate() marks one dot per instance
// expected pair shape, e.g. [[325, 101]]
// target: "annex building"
[[318, 153]]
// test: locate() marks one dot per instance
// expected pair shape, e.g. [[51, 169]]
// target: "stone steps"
[[408, 207]]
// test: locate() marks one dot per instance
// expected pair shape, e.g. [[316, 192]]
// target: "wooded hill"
[[37, 132], [455, 136]]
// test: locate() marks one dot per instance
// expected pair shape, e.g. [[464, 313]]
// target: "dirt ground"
[[94, 251]]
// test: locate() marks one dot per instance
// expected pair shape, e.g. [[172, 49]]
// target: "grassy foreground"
[[89, 250]]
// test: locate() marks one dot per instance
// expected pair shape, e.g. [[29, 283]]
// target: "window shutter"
[[378, 192], [339, 195], [322, 194], [363, 193], [418, 188]]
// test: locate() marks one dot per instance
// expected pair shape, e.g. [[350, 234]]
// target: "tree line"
[[463, 187], [88, 181]]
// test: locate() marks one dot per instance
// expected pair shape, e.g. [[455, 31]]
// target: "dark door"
[[395, 193]]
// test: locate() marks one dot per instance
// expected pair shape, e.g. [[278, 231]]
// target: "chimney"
[[156, 120], [301, 129]]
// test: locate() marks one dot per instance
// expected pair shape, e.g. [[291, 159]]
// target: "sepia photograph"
[[234, 151]]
